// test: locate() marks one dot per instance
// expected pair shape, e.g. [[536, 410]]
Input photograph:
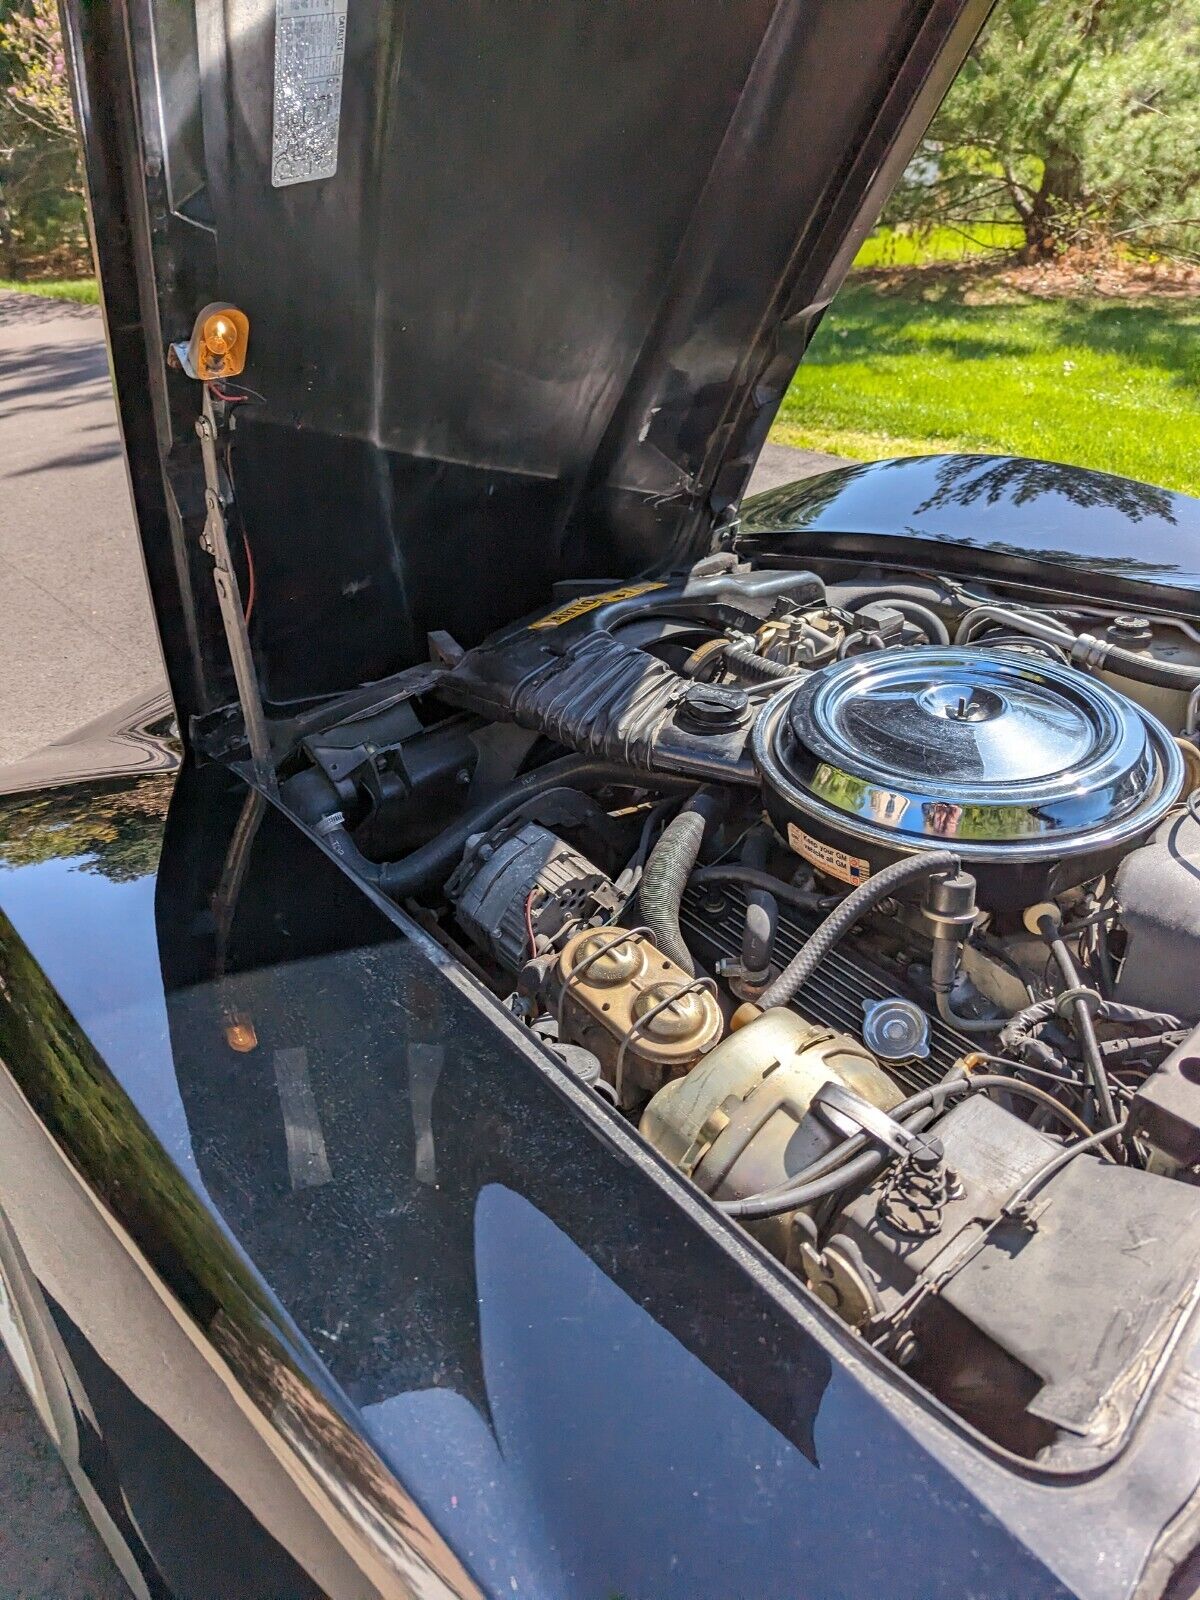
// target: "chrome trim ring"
[[1001, 754]]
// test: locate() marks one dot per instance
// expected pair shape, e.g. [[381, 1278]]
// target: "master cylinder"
[[644, 1017], [741, 1121]]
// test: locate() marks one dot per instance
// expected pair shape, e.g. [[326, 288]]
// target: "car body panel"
[[1000, 517], [339, 1261], [427, 1311]]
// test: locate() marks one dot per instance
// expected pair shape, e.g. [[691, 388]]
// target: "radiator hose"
[[668, 870], [316, 801], [762, 912]]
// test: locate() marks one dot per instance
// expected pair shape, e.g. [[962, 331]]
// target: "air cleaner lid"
[[993, 747]]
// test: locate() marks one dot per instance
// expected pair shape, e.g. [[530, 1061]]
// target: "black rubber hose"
[[834, 1172], [753, 878], [1085, 1027], [1026, 1024], [1056, 1163], [830, 1182], [844, 915], [433, 862], [1119, 1050], [758, 667], [1145, 669], [1087, 650], [967, 1024], [668, 869], [762, 911]]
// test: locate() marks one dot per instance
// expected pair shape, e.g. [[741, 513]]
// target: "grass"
[[891, 247], [82, 290], [1104, 383]]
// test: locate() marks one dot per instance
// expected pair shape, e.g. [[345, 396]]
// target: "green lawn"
[[1112, 384], [893, 247], [83, 290]]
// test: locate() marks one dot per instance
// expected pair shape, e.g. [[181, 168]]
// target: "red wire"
[[529, 920], [250, 579]]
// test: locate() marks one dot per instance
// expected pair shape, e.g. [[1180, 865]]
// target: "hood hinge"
[[215, 542]]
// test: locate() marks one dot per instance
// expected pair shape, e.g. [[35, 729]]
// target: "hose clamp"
[[1088, 651]]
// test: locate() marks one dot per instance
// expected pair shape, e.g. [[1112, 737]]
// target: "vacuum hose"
[[843, 1165], [1084, 649], [761, 668], [844, 915]]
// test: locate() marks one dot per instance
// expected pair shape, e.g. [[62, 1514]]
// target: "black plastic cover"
[[568, 674], [1158, 891], [1166, 1108]]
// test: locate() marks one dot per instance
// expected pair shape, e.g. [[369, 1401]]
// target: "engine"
[[874, 904]]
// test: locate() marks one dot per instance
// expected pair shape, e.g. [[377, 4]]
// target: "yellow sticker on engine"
[[837, 863], [591, 602]]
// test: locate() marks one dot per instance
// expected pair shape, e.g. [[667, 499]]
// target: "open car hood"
[[525, 286]]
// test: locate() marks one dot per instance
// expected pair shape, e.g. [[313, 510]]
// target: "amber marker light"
[[219, 342]]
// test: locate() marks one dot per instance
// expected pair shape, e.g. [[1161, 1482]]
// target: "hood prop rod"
[[214, 540]]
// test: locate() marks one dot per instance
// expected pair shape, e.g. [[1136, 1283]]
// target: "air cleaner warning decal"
[[837, 863], [310, 55]]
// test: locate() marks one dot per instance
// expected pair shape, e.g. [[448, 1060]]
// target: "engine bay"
[[872, 900]]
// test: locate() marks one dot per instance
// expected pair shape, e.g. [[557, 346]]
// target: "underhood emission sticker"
[[310, 56], [591, 602]]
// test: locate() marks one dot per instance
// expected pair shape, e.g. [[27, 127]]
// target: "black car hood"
[[525, 285]]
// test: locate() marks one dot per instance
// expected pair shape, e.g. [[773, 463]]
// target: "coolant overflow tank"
[[740, 1122]]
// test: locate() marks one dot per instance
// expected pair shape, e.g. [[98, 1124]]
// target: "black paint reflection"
[[112, 827], [1004, 515], [578, 1385], [972, 480], [348, 1143]]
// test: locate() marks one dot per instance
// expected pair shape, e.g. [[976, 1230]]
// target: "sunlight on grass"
[[1110, 384], [894, 247], [83, 291]]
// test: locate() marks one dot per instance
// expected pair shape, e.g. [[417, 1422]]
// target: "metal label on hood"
[[310, 56]]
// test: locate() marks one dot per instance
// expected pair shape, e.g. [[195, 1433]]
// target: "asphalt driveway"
[[76, 634], [76, 638]]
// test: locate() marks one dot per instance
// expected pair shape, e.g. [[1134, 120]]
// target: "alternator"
[[519, 891]]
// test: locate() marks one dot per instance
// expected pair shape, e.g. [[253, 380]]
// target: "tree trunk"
[[1049, 218], [9, 263]]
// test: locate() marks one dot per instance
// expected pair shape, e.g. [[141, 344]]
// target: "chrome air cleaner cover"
[[1039, 776]]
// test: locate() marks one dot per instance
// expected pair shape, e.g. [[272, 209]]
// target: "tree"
[[1081, 118], [41, 195], [113, 827], [37, 87]]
